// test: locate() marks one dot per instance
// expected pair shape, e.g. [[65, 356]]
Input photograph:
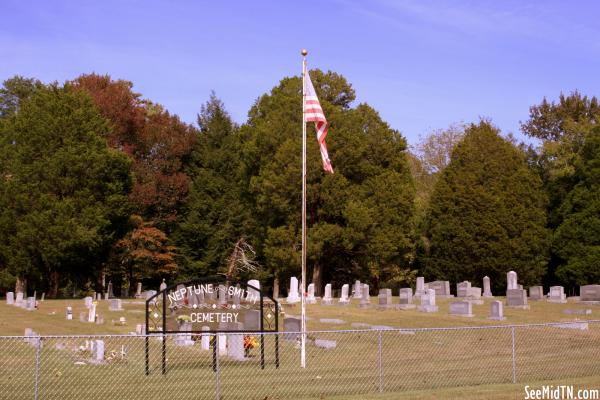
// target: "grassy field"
[[464, 363], [50, 318]]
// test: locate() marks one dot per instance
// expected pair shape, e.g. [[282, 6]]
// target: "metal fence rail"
[[362, 362]]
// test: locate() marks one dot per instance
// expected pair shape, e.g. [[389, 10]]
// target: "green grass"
[[469, 364]]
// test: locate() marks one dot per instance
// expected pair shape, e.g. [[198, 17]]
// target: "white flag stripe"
[[314, 113]]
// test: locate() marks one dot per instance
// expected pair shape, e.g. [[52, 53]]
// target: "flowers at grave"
[[250, 342], [182, 319]]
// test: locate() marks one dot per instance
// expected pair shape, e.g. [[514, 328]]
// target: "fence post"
[[37, 368], [380, 361], [514, 355], [217, 370]]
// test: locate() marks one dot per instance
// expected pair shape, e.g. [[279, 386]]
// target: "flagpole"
[[304, 229]]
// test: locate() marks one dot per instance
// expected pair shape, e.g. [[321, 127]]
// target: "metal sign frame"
[[156, 314]]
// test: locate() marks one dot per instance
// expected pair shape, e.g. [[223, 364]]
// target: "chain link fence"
[[356, 362]]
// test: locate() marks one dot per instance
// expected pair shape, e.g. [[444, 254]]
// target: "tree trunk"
[[53, 284], [276, 287], [317, 278], [21, 285]]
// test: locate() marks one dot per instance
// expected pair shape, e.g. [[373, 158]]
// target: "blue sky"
[[422, 64]]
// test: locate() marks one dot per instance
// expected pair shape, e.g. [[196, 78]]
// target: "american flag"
[[313, 112]]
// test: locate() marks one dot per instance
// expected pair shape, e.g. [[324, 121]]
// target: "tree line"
[[98, 184]]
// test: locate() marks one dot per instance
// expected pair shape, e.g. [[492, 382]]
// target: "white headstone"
[[428, 302], [344, 296], [115, 305], [30, 303], [69, 313], [222, 344], [365, 300], [406, 296], [557, 295], [385, 298], [357, 290], [235, 343], [310, 297], [205, 341], [327, 299], [462, 308], [293, 296], [463, 289], [496, 311], [92, 313], [99, 350], [88, 301], [138, 292], [420, 290], [162, 286], [10, 298], [511, 280], [253, 295], [487, 291], [19, 302]]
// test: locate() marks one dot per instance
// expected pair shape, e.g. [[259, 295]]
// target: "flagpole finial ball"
[[304, 52]]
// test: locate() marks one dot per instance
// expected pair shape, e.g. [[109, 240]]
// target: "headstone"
[[69, 313], [310, 298], [557, 295], [516, 298], [511, 281], [344, 296], [253, 295], [293, 296], [149, 293], [365, 300], [98, 296], [222, 295], [325, 344], [115, 305], [461, 308], [252, 320], [140, 329], [291, 324], [110, 290], [496, 311], [474, 295], [30, 303], [162, 286], [83, 316], [334, 321], [99, 319], [43, 296], [235, 342], [138, 292], [536, 293], [10, 298], [385, 298], [356, 289], [88, 301], [487, 291], [222, 343], [587, 293], [586, 311], [420, 290], [92, 313], [463, 289], [442, 288], [99, 350], [327, 299], [428, 302], [406, 299], [19, 302], [205, 341], [184, 338]]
